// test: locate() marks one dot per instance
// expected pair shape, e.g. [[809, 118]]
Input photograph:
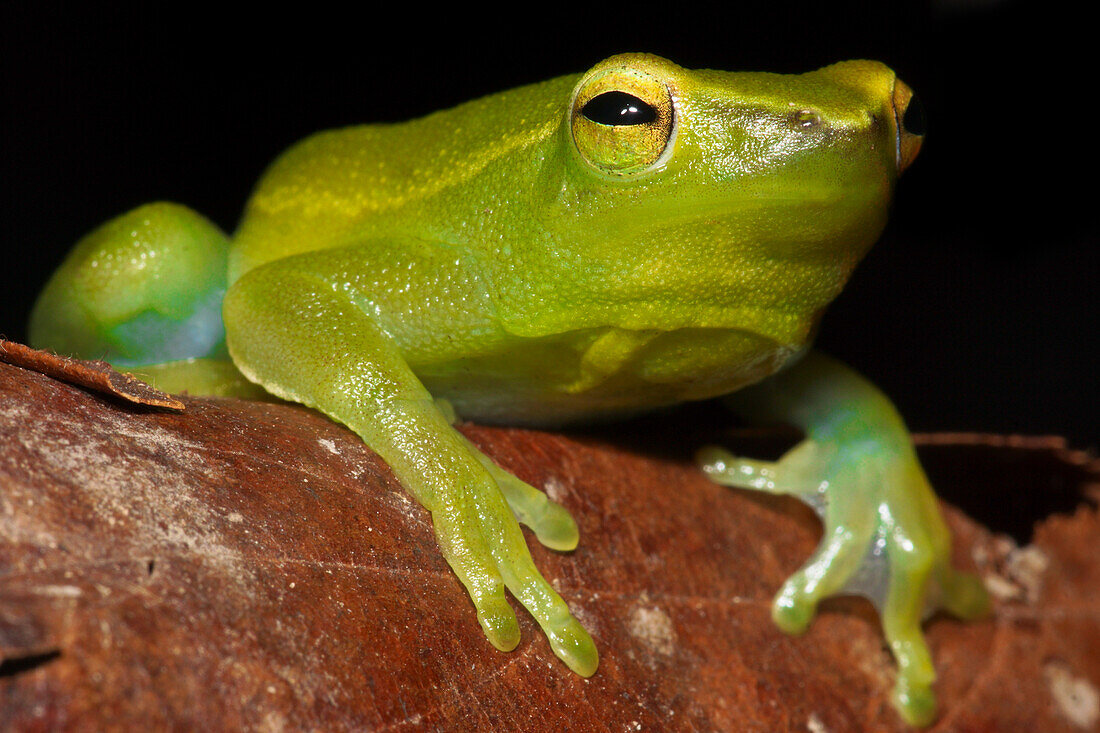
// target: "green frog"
[[585, 248]]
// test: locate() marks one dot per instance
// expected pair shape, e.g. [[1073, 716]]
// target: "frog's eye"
[[618, 108], [913, 119], [622, 121], [909, 119]]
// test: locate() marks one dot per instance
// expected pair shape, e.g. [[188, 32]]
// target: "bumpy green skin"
[[517, 260]]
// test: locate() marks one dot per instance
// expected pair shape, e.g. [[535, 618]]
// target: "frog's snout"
[[909, 122]]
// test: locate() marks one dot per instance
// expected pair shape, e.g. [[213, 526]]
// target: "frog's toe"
[[486, 589], [727, 469], [785, 476], [911, 564], [472, 561], [551, 522], [827, 573], [917, 705], [792, 609], [573, 645], [498, 621], [568, 639], [555, 528], [912, 693]]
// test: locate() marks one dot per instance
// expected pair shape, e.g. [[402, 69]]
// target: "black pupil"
[[913, 119], [618, 108]]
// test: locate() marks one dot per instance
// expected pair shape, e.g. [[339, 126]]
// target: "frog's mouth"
[[909, 122]]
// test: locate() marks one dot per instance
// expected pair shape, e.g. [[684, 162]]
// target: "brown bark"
[[252, 565]]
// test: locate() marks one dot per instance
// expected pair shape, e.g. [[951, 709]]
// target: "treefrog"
[[588, 247]]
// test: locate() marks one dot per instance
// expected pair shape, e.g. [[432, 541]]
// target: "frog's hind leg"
[[144, 292]]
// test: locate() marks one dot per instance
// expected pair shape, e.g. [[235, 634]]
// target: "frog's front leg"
[[884, 536], [305, 339]]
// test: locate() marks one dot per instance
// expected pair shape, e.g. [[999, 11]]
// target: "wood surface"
[[252, 566]]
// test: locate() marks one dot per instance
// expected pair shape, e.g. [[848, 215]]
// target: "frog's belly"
[[558, 381]]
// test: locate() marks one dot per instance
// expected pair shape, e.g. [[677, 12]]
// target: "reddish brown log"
[[245, 565]]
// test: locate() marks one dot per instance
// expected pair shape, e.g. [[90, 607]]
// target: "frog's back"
[[344, 186]]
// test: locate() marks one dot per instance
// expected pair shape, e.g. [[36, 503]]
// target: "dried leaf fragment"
[[97, 375]]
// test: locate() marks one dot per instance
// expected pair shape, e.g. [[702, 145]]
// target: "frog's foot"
[[483, 543], [551, 522], [883, 538]]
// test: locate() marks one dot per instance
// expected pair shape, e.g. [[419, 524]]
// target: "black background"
[[977, 310]]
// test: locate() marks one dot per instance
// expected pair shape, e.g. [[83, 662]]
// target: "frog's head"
[[638, 115], [730, 191]]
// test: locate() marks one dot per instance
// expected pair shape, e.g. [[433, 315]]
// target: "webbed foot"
[[884, 539], [884, 536]]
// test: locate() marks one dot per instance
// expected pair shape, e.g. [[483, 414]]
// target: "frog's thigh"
[[303, 339], [144, 287]]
